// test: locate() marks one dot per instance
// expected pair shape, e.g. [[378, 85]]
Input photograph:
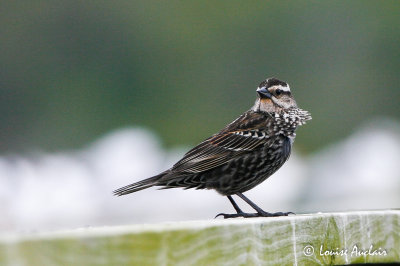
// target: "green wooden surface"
[[257, 241]]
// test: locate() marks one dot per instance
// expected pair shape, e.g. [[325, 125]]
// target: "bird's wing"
[[241, 136]]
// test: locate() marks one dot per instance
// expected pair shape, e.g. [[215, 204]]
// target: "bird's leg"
[[260, 212], [238, 210]]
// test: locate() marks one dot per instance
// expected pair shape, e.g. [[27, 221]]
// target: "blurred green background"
[[71, 71]]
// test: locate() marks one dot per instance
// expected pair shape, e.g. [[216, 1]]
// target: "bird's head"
[[274, 95]]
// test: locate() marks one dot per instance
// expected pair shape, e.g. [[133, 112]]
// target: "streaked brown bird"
[[242, 155]]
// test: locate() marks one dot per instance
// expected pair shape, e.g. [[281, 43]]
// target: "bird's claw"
[[251, 215], [276, 214], [235, 215]]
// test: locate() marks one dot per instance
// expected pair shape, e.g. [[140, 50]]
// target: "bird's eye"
[[278, 92]]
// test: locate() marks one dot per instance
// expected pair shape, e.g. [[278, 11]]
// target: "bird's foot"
[[250, 215]]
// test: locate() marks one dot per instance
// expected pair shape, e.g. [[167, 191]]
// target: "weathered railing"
[[322, 238]]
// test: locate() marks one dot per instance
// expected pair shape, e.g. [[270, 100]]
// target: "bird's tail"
[[145, 183]]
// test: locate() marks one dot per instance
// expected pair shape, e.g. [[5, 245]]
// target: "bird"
[[242, 155]]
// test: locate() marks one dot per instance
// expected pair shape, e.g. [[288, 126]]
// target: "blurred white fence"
[[74, 188]]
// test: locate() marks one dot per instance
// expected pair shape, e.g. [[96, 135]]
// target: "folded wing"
[[230, 143]]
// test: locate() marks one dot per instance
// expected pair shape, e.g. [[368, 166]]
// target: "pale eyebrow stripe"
[[287, 88]]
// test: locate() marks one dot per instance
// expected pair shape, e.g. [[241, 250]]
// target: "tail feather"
[[143, 184]]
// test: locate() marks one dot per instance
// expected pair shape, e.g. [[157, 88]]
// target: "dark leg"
[[260, 212], [238, 210]]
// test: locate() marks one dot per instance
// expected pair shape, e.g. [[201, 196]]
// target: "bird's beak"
[[264, 93]]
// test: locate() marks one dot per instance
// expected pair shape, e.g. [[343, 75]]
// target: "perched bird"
[[242, 155]]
